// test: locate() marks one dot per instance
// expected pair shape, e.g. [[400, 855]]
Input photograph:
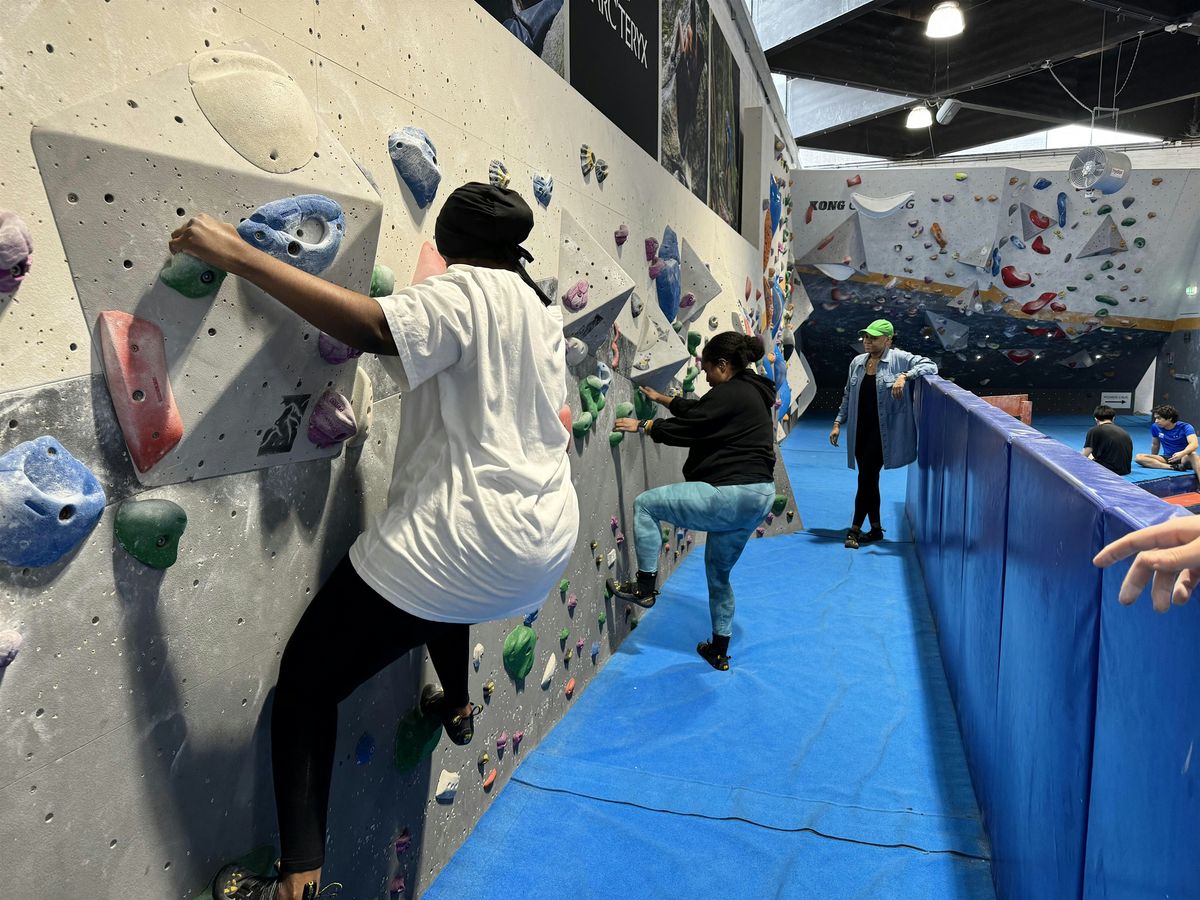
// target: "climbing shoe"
[[235, 882], [459, 728], [853, 537], [713, 656], [870, 537], [641, 592]]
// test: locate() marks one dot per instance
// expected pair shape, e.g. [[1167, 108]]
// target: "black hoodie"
[[730, 431]]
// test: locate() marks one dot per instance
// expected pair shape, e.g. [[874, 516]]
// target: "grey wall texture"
[[134, 733]]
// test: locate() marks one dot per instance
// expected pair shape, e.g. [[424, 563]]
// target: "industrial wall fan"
[[1096, 169]]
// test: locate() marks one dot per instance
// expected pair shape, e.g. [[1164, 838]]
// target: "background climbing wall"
[[133, 723], [1042, 315]]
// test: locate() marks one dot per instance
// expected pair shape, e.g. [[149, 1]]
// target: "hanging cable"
[[1131, 65], [1049, 68]]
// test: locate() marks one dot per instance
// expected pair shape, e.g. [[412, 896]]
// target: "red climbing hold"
[[1019, 357], [490, 780], [1058, 306], [808, 214], [1039, 246], [570, 688], [1037, 305], [1038, 219], [1014, 279], [135, 366], [564, 416], [429, 262], [854, 182]]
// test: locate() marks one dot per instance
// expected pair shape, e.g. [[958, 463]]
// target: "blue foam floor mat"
[[1071, 430], [826, 763]]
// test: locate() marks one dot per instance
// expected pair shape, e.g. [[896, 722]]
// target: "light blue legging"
[[729, 514]]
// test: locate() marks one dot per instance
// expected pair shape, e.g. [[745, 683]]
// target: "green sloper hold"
[[191, 277], [602, 618], [591, 394], [643, 406], [615, 438], [1072, 288], [519, 651], [693, 342], [689, 380], [383, 281], [1104, 210], [416, 738], [583, 424], [624, 409], [666, 534], [1139, 242], [1128, 222], [780, 504], [564, 634], [150, 530], [1108, 264], [564, 586], [1106, 299]]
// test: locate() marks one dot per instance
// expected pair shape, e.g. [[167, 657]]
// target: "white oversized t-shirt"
[[482, 516]]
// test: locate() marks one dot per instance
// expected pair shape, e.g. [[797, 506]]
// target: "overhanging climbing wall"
[[134, 715]]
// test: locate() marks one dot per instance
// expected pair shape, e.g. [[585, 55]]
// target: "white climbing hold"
[[548, 672], [477, 656], [447, 786], [576, 351], [10, 645]]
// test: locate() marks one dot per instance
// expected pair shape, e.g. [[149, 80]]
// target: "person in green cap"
[[878, 414]]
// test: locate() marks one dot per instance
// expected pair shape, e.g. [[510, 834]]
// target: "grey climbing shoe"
[[853, 538], [638, 592], [459, 728], [235, 882]]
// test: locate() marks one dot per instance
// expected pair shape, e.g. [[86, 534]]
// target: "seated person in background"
[[1177, 441], [1108, 443]]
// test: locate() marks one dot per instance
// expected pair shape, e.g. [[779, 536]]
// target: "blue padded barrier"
[[1144, 820], [948, 580]]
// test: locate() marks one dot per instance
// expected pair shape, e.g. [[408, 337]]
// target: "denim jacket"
[[897, 427]]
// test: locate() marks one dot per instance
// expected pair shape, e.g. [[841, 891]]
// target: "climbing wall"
[[1008, 279], [145, 600]]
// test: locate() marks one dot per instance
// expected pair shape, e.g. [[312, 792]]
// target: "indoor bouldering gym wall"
[[183, 461]]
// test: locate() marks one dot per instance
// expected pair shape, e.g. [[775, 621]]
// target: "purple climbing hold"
[[397, 887], [501, 743], [403, 842], [651, 248], [687, 301], [621, 235], [10, 646], [16, 247], [576, 297], [334, 351], [1042, 183], [949, 198], [415, 159], [572, 602], [332, 420], [656, 267], [579, 645], [517, 737]]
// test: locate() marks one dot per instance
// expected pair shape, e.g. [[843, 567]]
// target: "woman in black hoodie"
[[728, 487]]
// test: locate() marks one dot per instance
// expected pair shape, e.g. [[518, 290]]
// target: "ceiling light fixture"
[[945, 21], [918, 117]]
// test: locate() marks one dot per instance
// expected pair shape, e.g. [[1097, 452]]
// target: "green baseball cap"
[[879, 328]]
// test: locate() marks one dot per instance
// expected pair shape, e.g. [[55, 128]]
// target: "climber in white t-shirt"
[[481, 517]]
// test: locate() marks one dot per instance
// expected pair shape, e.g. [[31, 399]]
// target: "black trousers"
[[868, 457], [347, 634]]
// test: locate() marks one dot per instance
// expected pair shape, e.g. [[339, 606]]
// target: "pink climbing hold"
[[332, 420], [760, 531], [397, 887], [854, 181], [564, 416], [518, 736], [1039, 246], [16, 249], [687, 301], [576, 296], [403, 842], [135, 367], [656, 267], [334, 351], [570, 688], [579, 645], [749, 287], [429, 263], [501, 743], [1013, 278], [572, 602], [621, 235], [651, 248]]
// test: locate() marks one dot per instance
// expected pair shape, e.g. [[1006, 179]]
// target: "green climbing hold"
[[643, 406], [602, 618], [624, 409], [591, 393], [416, 738], [383, 281], [780, 504], [519, 651], [689, 380], [693, 342], [583, 424], [1108, 264], [1104, 210], [1072, 288], [1106, 299], [191, 277], [1088, 277], [150, 531], [1139, 242], [615, 438], [1128, 222], [666, 534], [1102, 314], [564, 634], [564, 586], [677, 325]]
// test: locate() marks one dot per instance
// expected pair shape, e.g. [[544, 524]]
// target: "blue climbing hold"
[[364, 750], [785, 400], [415, 159], [1062, 209], [1017, 242], [531, 617], [776, 206], [595, 650], [1042, 183], [776, 305], [543, 187], [995, 262], [304, 231], [49, 502], [668, 281]]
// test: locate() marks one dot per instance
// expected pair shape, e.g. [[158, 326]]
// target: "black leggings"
[[347, 634], [868, 455]]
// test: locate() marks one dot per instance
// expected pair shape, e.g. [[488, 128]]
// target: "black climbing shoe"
[[713, 657], [235, 882], [460, 729], [633, 592], [853, 537], [870, 537]]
